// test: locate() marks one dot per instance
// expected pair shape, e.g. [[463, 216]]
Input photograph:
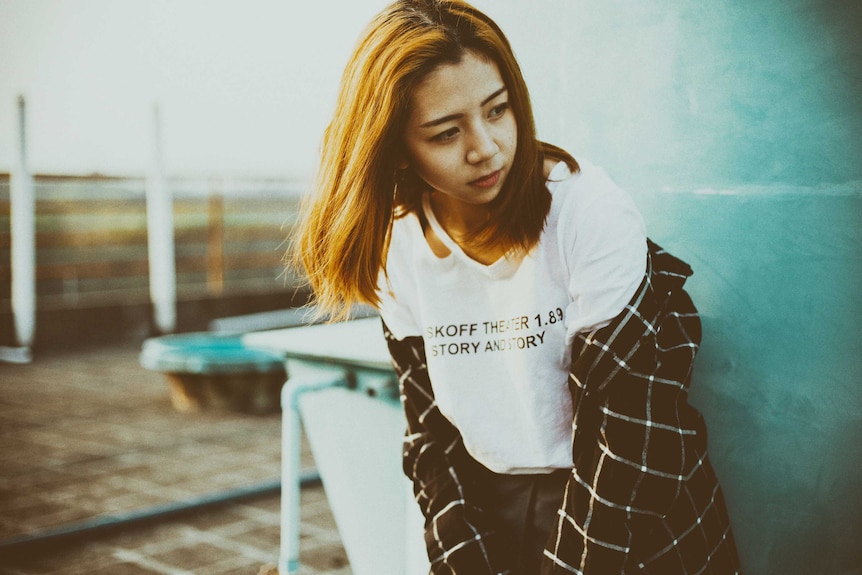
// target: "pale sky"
[[243, 87]]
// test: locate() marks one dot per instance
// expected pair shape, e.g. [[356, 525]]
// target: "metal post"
[[160, 237], [215, 239], [303, 379], [23, 228]]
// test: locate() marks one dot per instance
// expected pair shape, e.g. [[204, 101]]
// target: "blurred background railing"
[[91, 246]]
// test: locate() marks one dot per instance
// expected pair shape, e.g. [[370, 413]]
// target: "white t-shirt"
[[498, 337]]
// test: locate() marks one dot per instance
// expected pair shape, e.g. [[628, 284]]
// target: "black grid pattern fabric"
[[642, 496], [458, 536]]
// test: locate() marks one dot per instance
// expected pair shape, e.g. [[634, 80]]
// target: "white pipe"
[[48, 541], [303, 379], [23, 228], [160, 237]]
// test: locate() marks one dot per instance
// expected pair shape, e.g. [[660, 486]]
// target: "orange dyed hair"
[[342, 238]]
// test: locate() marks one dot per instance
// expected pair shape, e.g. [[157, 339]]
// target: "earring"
[[399, 177]]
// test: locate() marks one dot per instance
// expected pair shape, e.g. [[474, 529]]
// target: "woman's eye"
[[499, 110], [447, 135]]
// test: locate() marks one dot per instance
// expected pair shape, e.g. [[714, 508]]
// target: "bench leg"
[[301, 381]]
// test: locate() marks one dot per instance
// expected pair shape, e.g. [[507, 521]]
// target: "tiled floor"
[[89, 434]]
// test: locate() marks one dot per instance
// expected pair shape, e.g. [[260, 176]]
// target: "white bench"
[[342, 389]]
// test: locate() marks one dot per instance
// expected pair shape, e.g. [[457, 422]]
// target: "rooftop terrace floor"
[[89, 434]]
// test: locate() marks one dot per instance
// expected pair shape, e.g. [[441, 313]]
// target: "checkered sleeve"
[[458, 539], [642, 497]]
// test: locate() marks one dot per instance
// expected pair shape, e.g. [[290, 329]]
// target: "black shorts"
[[523, 508]]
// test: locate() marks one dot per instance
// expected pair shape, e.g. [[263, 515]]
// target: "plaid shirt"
[[642, 496]]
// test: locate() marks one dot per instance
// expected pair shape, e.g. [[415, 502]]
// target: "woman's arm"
[[457, 539], [636, 439]]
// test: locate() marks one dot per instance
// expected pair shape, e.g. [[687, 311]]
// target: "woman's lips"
[[487, 181]]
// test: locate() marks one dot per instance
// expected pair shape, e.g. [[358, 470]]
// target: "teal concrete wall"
[[737, 127], [779, 376], [691, 93], [739, 135]]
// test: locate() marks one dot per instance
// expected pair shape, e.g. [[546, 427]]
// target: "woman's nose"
[[482, 147]]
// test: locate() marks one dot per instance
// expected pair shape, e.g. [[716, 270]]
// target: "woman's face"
[[461, 134]]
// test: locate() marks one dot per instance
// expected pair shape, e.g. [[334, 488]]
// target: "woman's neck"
[[459, 219]]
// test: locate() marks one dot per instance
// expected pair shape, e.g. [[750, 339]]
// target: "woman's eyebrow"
[[450, 117]]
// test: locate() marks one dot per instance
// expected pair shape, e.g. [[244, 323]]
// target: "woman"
[[543, 344]]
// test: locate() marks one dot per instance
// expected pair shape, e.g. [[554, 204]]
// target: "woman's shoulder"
[[549, 165], [588, 184], [588, 200], [405, 232]]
